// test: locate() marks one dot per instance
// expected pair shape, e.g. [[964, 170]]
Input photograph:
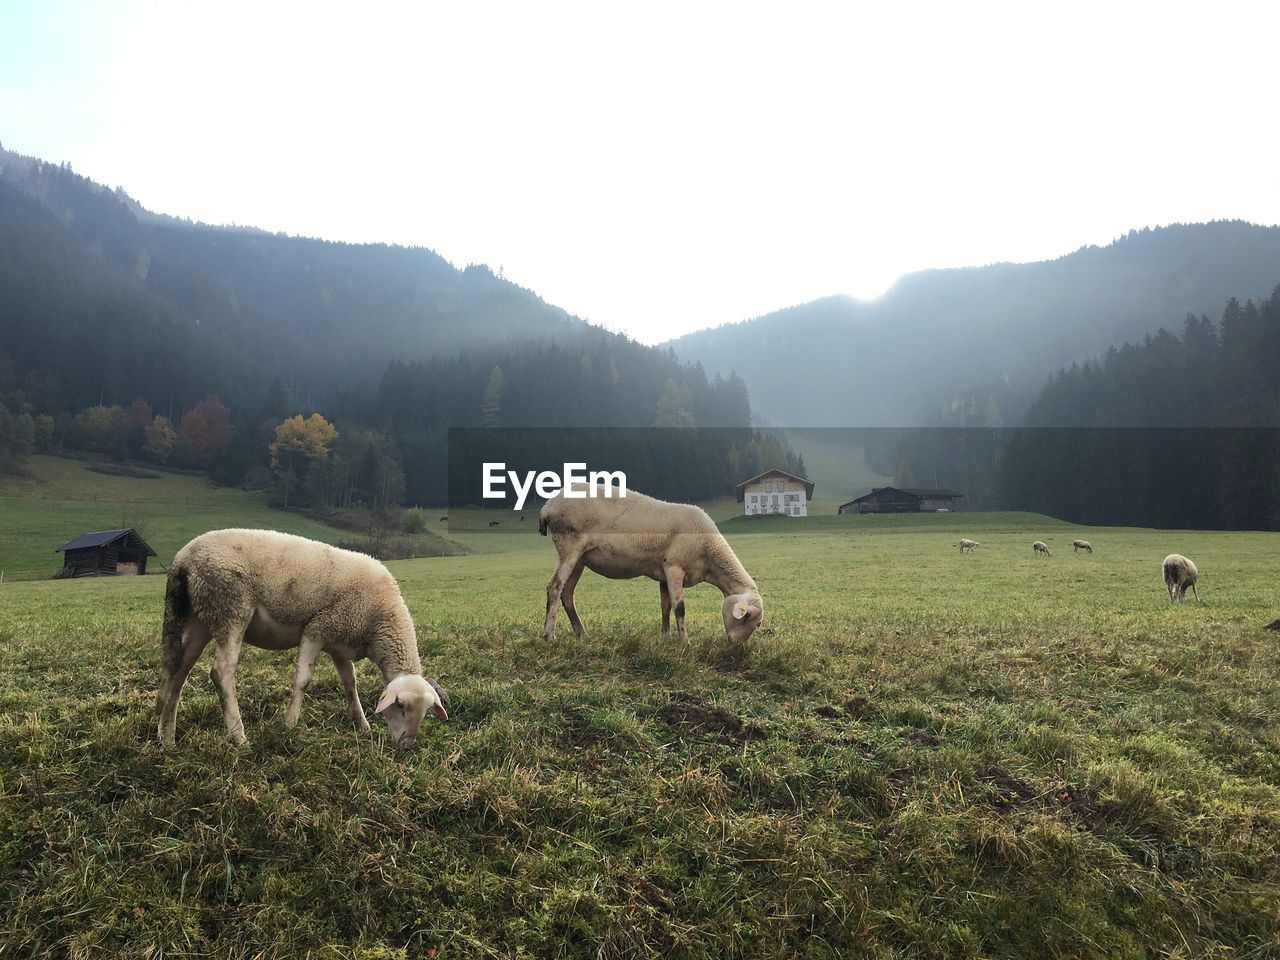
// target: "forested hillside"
[[1178, 430], [328, 372], [1173, 431], [971, 347], [315, 313]]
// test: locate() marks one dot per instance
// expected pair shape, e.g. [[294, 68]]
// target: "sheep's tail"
[[177, 604]]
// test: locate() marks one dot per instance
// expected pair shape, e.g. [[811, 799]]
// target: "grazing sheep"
[[277, 591], [675, 544], [444, 519], [1079, 545], [967, 545], [1040, 547], [1179, 573], [493, 523]]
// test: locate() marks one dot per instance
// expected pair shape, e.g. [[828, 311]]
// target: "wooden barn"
[[106, 553], [899, 500]]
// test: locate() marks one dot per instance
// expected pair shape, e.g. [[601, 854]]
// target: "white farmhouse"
[[776, 491]]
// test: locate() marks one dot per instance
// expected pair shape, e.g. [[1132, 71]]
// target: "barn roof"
[[917, 492], [102, 538], [808, 484]]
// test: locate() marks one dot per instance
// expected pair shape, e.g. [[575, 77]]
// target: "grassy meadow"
[[920, 754], [64, 498]]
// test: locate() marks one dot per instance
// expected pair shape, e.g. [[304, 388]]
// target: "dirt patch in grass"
[[857, 706], [925, 738], [1011, 791], [704, 716]]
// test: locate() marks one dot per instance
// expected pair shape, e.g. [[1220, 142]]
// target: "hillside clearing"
[[67, 498]]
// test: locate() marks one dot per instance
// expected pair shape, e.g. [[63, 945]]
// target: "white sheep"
[[1079, 545], [277, 591], [1179, 573], [675, 544], [1040, 548], [967, 545]]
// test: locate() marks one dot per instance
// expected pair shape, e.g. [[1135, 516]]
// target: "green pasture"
[[65, 498], [920, 754]]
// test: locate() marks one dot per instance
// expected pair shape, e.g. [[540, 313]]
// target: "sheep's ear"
[[740, 609], [388, 698], [441, 712]]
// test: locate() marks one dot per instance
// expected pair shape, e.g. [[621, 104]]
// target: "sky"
[[658, 167]]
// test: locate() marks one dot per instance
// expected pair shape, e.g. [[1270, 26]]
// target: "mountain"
[[89, 276], [972, 346], [127, 334]]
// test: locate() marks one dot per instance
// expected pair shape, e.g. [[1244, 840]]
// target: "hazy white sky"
[[658, 167]]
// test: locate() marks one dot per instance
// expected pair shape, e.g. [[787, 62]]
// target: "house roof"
[[102, 538], [919, 493], [808, 484]]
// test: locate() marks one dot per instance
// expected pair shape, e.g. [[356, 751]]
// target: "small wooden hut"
[[106, 553]]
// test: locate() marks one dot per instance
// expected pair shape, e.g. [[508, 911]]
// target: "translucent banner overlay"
[[1211, 478]]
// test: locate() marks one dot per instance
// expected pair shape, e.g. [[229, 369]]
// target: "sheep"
[[676, 544], [1079, 545], [1040, 547], [493, 523], [277, 591], [967, 545], [1179, 573]]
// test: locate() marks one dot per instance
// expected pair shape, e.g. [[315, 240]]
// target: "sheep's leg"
[[347, 671], [194, 639], [223, 674], [666, 607], [555, 587], [308, 651], [566, 597], [675, 591], [1194, 591]]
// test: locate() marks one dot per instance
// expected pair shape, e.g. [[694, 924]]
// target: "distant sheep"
[[968, 545], [1081, 545], [1040, 548], [1179, 573], [276, 591], [675, 544], [493, 523]]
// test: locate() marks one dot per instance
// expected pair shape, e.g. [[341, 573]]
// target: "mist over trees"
[[130, 335], [971, 346], [1201, 444], [1179, 430]]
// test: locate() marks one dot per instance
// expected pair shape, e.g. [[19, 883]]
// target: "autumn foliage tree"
[[206, 427], [298, 444], [159, 439]]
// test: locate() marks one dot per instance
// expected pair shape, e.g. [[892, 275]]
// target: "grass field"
[[920, 754], [65, 498]]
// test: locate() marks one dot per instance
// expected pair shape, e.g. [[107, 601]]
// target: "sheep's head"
[[405, 702], [742, 613]]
